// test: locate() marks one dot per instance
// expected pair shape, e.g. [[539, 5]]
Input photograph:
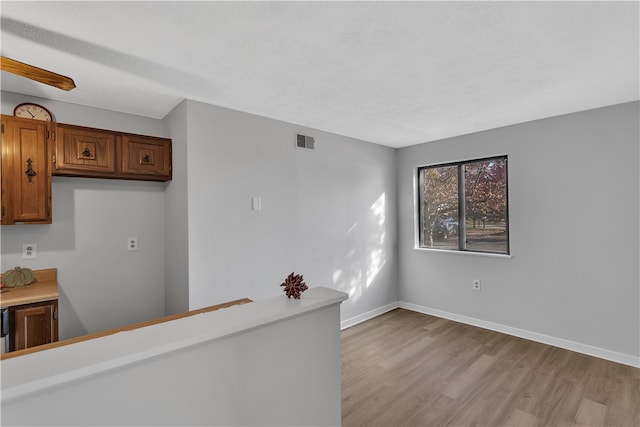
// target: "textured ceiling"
[[393, 73]]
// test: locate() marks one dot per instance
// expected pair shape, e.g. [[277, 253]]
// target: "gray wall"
[[328, 214], [176, 252], [101, 284], [574, 197]]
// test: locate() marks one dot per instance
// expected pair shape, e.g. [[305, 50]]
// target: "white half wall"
[[274, 362], [328, 214], [574, 213], [102, 285]]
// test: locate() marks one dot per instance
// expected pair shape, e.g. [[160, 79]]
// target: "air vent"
[[304, 141]]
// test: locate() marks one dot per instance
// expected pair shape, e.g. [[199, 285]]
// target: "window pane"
[[439, 210], [485, 187]]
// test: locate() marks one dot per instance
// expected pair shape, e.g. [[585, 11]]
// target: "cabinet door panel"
[[34, 325], [85, 151], [26, 175], [6, 172], [146, 156]]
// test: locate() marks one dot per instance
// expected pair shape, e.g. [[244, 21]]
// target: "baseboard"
[[625, 359], [368, 315]]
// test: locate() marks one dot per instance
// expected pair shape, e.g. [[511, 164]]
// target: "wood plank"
[[36, 73], [591, 413], [407, 352], [623, 407], [470, 375], [521, 419], [410, 369]]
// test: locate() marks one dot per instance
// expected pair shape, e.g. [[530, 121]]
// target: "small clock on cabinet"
[[32, 111]]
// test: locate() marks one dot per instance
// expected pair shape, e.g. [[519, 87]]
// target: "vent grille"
[[304, 141]]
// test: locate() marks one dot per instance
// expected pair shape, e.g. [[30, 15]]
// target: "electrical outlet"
[[476, 284], [132, 243], [29, 250]]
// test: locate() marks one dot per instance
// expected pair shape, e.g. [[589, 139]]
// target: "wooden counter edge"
[[43, 288], [122, 329]]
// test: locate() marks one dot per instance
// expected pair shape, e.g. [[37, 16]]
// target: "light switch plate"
[[256, 203]]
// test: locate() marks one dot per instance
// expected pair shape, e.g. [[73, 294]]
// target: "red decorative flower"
[[294, 285]]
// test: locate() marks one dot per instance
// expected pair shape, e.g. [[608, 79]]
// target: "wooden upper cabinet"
[[146, 156], [97, 153], [26, 171], [85, 151]]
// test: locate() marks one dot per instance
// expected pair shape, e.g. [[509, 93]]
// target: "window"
[[463, 206]]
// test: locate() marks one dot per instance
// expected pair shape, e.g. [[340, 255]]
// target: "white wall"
[[176, 250], [574, 209], [101, 284], [272, 362], [328, 214]]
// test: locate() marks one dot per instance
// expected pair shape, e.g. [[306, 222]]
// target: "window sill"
[[486, 254]]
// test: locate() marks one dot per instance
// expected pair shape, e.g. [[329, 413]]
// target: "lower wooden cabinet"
[[34, 324]]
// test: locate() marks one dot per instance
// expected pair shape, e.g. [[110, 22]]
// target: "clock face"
[[32, 111]]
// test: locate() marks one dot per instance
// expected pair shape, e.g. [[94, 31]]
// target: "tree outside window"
[[464, 206]]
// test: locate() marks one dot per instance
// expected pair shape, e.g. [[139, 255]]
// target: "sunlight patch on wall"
[[365, 254], [376, 245]]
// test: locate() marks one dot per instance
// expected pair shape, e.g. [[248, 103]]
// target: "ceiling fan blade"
[[37, 74]]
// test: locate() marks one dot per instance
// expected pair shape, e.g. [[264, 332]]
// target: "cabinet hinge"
[[55, 314], [2, 128], [54, 136], [3, 211], [48, 211], [54, 158]]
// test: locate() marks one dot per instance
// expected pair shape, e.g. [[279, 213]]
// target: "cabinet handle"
[[86, 152], [30, 172], [146, 159]]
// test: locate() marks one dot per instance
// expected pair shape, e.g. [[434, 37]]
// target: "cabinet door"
[[33, 325], [26, 172], [85, 151], [146, 157]]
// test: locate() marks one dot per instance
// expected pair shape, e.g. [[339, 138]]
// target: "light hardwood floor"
[[410, 369]]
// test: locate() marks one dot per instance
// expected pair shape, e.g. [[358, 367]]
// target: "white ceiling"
[[393, 73]]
